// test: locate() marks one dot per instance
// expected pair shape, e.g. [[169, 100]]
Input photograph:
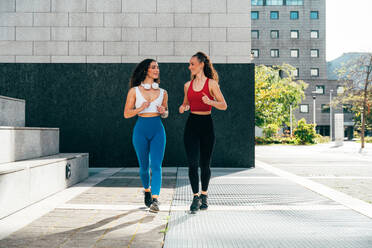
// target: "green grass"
[[366, 140], [166, 229]]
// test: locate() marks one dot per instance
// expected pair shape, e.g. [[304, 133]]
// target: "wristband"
[[165, 114]]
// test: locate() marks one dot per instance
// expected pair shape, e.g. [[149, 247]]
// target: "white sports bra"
[[152, 108]]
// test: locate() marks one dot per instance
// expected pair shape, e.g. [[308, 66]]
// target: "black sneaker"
[[154, 206], [148, 199], [195, 205], [204, 202]]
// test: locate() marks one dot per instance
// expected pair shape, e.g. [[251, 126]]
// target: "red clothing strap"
[[195, 97]]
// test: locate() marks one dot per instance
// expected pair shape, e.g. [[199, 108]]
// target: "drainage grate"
[[304, 225], [252, 192], [321, 229], [232, 172]]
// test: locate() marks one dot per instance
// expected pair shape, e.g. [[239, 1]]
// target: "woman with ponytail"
[[149, 102], [201, 94]]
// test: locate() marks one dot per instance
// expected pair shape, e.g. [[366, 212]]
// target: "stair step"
[[12, 112], [20, 143], [25, 182]]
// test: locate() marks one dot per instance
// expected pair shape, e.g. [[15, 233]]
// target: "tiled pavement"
[[248, 208], [109, 214]]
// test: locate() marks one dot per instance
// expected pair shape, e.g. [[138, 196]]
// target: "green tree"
[[276, 89], [270, 130], [356, 76], [305, 133]]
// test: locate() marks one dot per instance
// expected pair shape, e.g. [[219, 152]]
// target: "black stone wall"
[[86, 102]]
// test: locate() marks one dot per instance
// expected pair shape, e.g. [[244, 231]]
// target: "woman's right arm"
[[185, 105], [129, 110]]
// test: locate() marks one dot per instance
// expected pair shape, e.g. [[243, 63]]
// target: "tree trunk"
[[365, 102]]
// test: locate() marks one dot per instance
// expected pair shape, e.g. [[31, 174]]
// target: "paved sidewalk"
[[108, 214], [341, 168], [259, 207]]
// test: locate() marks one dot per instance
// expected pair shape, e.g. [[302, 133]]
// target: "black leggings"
[[199, 138]]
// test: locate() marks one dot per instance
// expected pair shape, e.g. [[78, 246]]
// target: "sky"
[[349, 27]]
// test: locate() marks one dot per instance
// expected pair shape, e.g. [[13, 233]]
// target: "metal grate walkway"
[[272, 212]]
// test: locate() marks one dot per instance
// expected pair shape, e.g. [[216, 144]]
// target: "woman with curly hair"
[[149, 102]]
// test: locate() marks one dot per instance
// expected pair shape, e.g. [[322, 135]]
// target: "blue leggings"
[[149, 143]]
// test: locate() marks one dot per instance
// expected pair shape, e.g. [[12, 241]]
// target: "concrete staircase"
[[31, 167]]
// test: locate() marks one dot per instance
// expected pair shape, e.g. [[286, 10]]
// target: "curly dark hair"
[[140, 72], [208, 69]]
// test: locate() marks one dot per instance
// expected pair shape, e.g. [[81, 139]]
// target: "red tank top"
[[195, 98]]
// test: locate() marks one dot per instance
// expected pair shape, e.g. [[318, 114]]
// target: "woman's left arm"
[[219, 101]]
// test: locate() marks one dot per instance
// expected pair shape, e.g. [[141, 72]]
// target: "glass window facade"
[[304, 108], [274, 53], [294, 53], [325, 108], [294, 34], [274, 34], [274, 15], [320, 89], [314, 15], [255, 34], [257, 2], [255, 15], [296, 72], [294, 15], [274, 2], [314, 53], [255, 53], [294, 2], [314, 72], [314, 34]]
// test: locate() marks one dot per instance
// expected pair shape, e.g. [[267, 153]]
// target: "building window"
[[255, 34], [325, 108], [255, 15], [274, 53], [255, 52], [319, 89], [294, 15], [274, 34], [314, 34], [314, 15], [296, 72], [346, 108], [294, 34], [274, 15], [294, 53], [304, 108], [314, 72], [274, 2], [314, 53], [340, 89], [294, 2], [257, 2]]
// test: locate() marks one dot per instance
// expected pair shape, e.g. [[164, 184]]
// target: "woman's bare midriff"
[[149, 114], [201, 112]]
